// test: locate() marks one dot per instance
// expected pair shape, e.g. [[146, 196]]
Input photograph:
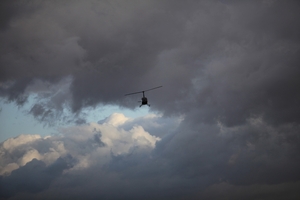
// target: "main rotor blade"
[[143, 91], [153, 88], [134, 93]]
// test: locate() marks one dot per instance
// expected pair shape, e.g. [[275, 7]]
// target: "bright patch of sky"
[[15, 121]]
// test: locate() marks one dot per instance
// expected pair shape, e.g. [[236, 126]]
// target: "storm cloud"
[[227, 117]]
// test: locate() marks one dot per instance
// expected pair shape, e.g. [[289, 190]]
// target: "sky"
[[225, 124]]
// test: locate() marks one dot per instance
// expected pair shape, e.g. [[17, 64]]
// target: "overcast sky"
[[225, 124]]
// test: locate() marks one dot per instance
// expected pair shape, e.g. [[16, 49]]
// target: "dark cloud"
[[34, 177], [229, 71], [190, 162], [217, 56], [11, 10], [278, 191]]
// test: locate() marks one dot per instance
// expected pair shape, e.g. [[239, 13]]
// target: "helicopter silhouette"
[[144, 98]]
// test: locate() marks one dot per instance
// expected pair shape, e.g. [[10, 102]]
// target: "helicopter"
[[144, 98]]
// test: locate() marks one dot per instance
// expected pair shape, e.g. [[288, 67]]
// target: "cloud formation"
[[199, 162], [230, 77], [218, 56], [30, 163]]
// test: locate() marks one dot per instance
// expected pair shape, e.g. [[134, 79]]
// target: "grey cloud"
[[228, 68], [217, 56], [190, 162], [243, 155], [39, 111], [33, 177], [84, 151], [278, 191], [12, 10]]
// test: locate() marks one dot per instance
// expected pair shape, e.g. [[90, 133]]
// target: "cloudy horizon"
[[225, 124]]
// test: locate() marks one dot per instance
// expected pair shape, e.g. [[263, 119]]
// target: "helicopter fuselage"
[[144, 101]]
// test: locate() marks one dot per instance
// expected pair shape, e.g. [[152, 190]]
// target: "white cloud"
[[29, 156], [89, 144], [8, 168], [13, 143], [94, 143], [117, 154], [17, 152], [116, 119]]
